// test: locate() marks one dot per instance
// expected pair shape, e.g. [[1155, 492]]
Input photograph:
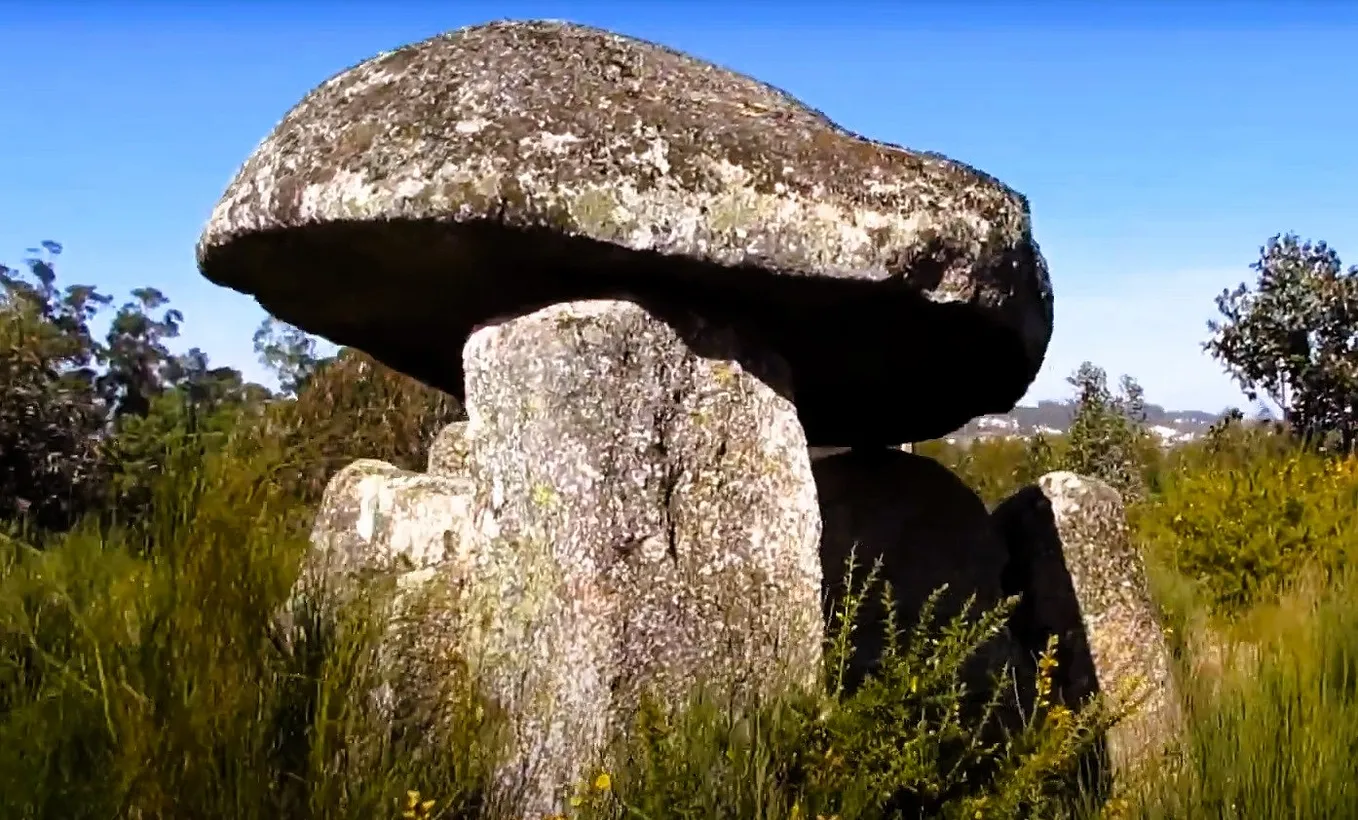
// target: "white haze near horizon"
[[1150, 328]]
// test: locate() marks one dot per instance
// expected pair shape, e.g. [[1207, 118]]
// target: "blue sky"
[[1160, 143]]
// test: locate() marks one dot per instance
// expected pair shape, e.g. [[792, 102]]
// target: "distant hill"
[[1171, 426]]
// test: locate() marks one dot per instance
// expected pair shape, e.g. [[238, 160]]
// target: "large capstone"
[[500, 168], [644, 523]]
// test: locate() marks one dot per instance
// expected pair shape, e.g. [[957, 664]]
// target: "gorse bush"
[[1244, 527], [904, 744]]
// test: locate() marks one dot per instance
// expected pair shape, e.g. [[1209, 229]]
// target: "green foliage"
[[140, 675], [50, 410], [997, 468], [1107, 438], [1243, 524], [355, 407], [1273, 719], [76, 435], [135, 354], [1294, 336], [905, 744], [287, 351]]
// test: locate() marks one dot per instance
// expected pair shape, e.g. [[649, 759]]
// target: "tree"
[[135, 354], [1107, 434], [287, 351], [1293, 338], [85, 422], [51, 415]]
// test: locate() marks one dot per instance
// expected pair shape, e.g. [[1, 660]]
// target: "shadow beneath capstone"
[[928, 529], [1037, 572], [410, 292]]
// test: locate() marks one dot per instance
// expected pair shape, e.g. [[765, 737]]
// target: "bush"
[[904, 744], [1244, 524]]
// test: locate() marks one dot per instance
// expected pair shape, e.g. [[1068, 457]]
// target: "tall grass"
[[1273, 704], [143, 675]]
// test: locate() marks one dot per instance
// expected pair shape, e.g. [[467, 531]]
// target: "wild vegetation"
[[156, 507]]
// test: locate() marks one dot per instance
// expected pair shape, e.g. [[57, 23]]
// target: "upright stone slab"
[[379, 524], [1083, 580], [448, 452], [645, 521], [928, 530]]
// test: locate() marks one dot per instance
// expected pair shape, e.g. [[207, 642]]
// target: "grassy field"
[[140, 677]]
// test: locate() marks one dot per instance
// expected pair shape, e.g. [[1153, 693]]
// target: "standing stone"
[[644, 507], [1083, 580], [929, 530], [645, 521], [377, 524], [448, 452]]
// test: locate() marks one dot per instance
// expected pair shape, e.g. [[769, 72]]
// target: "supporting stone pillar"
[[1083, 580], [645, 519]]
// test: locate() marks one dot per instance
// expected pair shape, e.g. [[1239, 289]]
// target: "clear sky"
[[1160, 143]]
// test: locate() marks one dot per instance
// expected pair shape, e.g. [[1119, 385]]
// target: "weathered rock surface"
[[503, 167], [929, 530], [645, 521], [1083, 579], [449, 451], [379, 524], [377, 517]]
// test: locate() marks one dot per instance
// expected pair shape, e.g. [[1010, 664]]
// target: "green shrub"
[[904, 744], [1244, 522]]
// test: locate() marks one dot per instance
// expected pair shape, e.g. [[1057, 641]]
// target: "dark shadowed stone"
[[929, 530], [500, 168], [1083, 580], [644, 521]]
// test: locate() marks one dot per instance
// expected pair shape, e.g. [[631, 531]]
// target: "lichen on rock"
[[649, 528], [1083, 579], [501, 167]]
